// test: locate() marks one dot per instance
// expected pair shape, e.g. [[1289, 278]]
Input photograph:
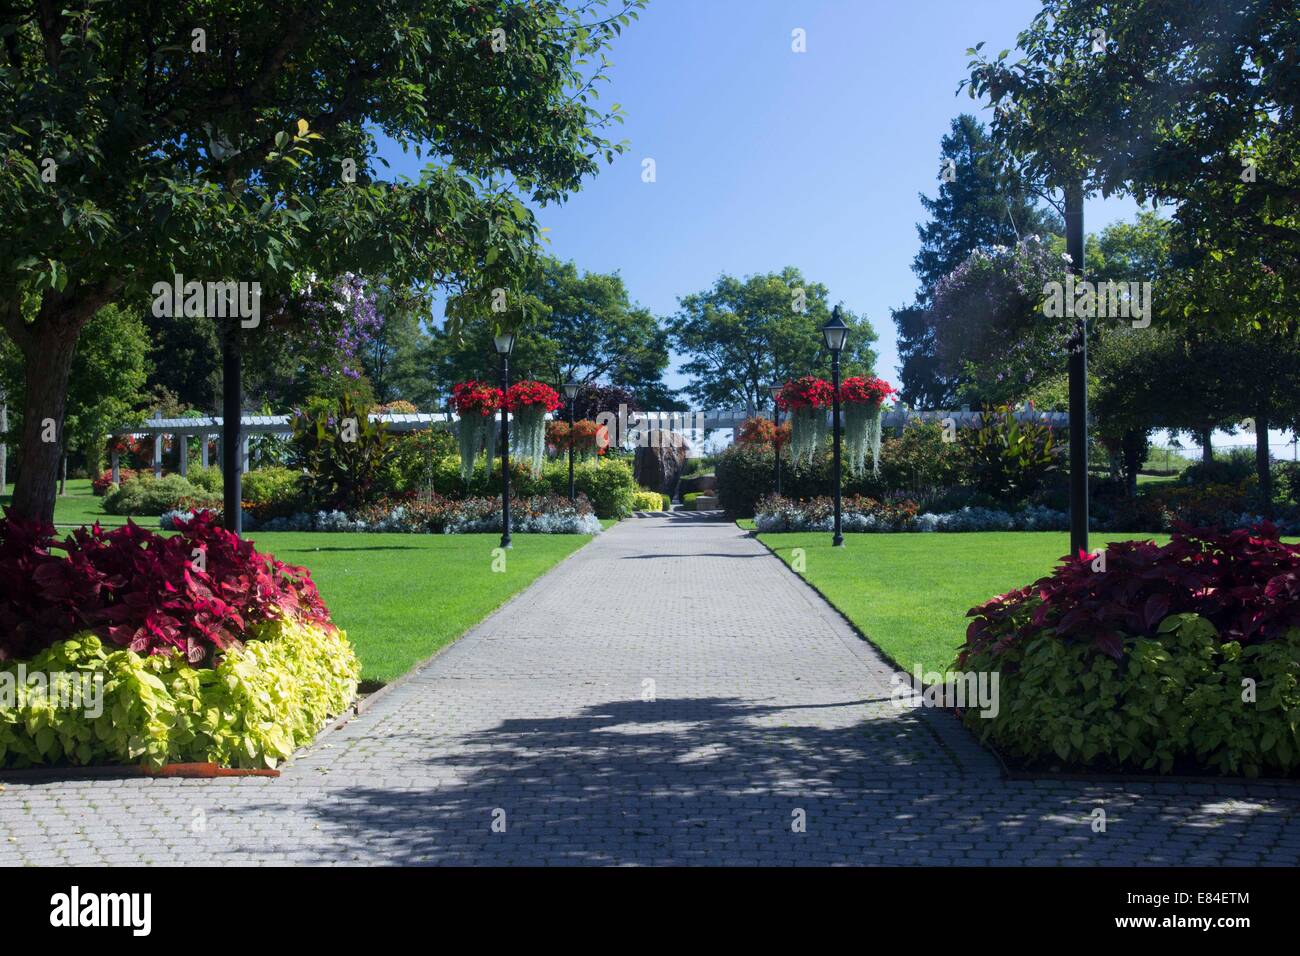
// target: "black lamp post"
[[776, 435], [505, 344], [570, 393], [836, 333]]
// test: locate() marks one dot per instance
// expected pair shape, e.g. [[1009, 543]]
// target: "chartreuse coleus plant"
[[1150, 657], [263, 700]]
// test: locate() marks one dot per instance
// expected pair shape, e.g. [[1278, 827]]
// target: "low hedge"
[[263, 700], [146, 495], [606, 482], [650, 501], [1181, 657]]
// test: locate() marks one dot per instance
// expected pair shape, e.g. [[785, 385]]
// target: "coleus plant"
[[1246, 583], [198, 591]]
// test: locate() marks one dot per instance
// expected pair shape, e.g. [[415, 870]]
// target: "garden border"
[[1284, 786]]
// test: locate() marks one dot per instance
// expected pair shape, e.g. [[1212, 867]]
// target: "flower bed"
[[1182, 656], [539, 514], [858, 513], [195, 647]]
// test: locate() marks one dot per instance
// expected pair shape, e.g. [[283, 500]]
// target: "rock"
[[659, 463], [698, 483]]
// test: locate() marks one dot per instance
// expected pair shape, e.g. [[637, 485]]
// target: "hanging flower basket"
[[806, 399], [476, 403], [862, 399], [528, 402]]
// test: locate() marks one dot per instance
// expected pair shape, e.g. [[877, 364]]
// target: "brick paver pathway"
[[766, 709]]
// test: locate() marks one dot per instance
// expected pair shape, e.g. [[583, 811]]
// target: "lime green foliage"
[[1176, 699], [146, 495], [261, 703], [271, 490], [403, 597], [650, 501], [208, 479]]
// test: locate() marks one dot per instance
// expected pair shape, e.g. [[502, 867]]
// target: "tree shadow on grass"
[[723, 781]]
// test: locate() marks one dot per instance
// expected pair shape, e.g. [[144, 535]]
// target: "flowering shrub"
[[585, 436], [856, 514], [762, 431], [197, 592], [1186, 654], [859, 513], [544, 514]]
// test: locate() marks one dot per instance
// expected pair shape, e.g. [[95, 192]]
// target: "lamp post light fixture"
[[570, 393], [776, 434], [836, 333], [505, 344]]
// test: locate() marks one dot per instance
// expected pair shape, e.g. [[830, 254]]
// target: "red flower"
[[473, 397], [867, 391], [528, 393], [807, 392]]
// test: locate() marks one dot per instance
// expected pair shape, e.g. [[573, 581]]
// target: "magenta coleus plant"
[[1246, 583], [198, 591]]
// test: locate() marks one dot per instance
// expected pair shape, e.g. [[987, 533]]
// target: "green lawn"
[[399, 597], [402, 597], [909, 593], [80, 506]]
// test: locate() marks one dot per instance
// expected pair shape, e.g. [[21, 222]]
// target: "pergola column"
[[157, 456], [185, 454]]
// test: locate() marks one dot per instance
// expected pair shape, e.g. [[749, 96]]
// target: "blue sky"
[[766, 157]]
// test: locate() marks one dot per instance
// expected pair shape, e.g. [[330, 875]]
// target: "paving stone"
[[763, 703]]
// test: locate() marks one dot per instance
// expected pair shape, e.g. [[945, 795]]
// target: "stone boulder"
[[658, 464]]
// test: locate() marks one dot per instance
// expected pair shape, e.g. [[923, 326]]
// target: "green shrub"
[[1229, 469], [416, 457], [146, 495], [1178, 694], [264, 700], [342, 470], [607, 482], [919, 463], [1008, 457], [272, 492], [207, 479], [650, 501]]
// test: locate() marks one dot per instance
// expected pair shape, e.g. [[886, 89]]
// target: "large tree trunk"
[[1207, 450], [1262, 465], [47, 346]]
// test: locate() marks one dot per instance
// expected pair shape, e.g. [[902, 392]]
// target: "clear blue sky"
[[767, 158]]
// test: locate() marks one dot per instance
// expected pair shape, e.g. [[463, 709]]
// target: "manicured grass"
[[909, 593], [80, 506], [402, 597]]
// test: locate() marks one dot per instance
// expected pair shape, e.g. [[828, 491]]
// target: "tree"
[[236, 143], [1200, 101], [582, 328], [107, 383], [977, 207], [743, 335]]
